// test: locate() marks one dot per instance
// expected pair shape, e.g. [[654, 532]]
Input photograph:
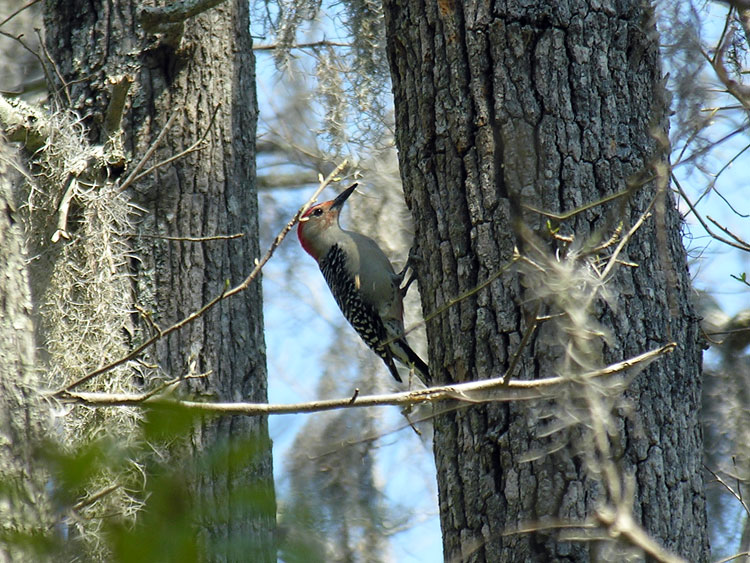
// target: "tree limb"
[[495, 389], [156, 19], [224, 295]]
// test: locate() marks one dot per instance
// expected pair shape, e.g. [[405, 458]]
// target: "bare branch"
[[64, 85], [134, 174], [95, 497], [192, 148], [292, 180], [440, 310], [226, 294], [524, 341], [621, 523], [156, 19], [733, 557], [116, 107], [730, 233], [23, 123], [190, 239], [311, 45], [742, 246], [30, 50], [63, 208], [580, 209], [624, 240], [18, 11], [737, 494], [473, 392], [738, 90]]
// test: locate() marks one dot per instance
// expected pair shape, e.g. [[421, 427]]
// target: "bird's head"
[[318, 226]]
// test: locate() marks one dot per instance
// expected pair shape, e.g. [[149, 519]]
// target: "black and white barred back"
[[363, 317]]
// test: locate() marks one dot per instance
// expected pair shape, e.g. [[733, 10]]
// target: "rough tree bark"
[[26, 510], [189, 74], [554, 105]]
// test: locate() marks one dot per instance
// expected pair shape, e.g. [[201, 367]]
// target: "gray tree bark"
[[209, 68], [26, 512], [501, 105]]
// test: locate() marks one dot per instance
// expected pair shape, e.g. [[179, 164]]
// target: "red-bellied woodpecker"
[[362, 281]]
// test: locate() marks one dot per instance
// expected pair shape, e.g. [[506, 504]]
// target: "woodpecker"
[[362, 281]]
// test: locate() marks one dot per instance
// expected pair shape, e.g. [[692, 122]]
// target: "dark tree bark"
[[208, 68], [553, 105]]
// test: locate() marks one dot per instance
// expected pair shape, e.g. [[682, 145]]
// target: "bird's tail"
[[403, 353]]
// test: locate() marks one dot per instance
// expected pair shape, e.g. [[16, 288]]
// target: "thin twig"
[[65, 85], [700, 152], [465, 295], [30, 50], [311, 45], [738, 90], [18, 11], [702, 222], [354, 396], [192, 148], [725, 167], [577, 210], [728, 232], [224, 295], [624, 240], [148, 317], [736, 494], [189, 239], [524, 341], [173, 382], [64, 208], [131, 177], [606, 244], [551, 524], [621, 523], [95, 497], [733, 557]]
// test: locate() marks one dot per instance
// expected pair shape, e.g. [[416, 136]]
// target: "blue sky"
[[298, 334]]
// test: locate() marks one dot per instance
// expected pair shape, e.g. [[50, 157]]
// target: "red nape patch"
[[300, 228], [301, 237]]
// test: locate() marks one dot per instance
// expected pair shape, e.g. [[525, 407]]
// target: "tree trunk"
[[502, 106], [208, 68], [26, 511]]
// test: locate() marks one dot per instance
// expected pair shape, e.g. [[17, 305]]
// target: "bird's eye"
[[318, 212]]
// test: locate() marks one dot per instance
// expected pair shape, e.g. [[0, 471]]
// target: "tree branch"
[[18, 11], [311, 45], [116, 107], [23, 123], [224, 295], [495, 389], [621, 523], [158, 19], [188, 239], [741, 246]]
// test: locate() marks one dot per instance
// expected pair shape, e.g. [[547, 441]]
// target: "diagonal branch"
[[141, 163], [740, 244], [18, 11], [224, 295]]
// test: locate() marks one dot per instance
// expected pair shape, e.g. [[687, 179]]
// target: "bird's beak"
[[338, 203]]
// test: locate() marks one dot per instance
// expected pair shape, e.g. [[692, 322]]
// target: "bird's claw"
[[410, 261]]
